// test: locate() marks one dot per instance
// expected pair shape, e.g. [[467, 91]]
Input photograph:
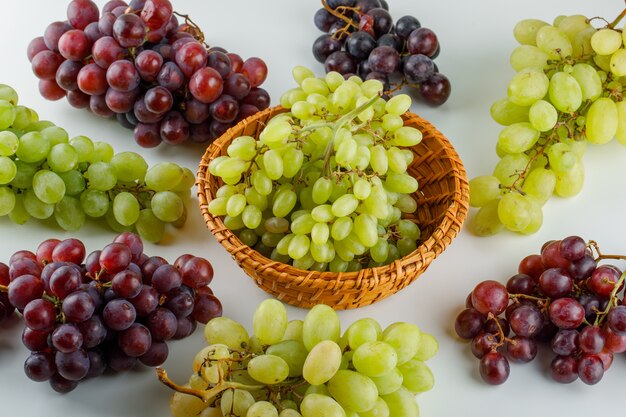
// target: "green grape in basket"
[[325, 186]]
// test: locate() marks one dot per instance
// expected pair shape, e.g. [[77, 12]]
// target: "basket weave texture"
[[442, 206]]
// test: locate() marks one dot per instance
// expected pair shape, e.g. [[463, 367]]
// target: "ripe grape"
[[81, 319]]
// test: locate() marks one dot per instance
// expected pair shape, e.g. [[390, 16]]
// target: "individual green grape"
[[149, 227], [398, 104], [7, 114], [528, 56], [24, 117], [287, 412], [182, 405], [570, 183], [380, 409], [406, 246], [321, 323], [353, 390], [33, 147], [618, 62], [322, 362], [362, 331], [406, 203], [9, 143], [525, 31], [225, 331], [18, 215], [389, 382], [256, 199], [518, 137], [375, 358], [126, 209], [407, 136], [427, 347], [62, 158], [574, 24], [620, 134], [536, 216], [345, 205], [167, 206], [48, 187], [252, 217], [284, 202], [270, 322], [604, 62], [94, 203], [606, 41], [8, 170], [55, 135], [236, 402], [275, 132], [96, 152], [35, 207], [417, 376], [401, 403], [293, 353], [101, 176], [392, 122], [540, 184], [293, 330], [366, 231], [506, 113], [589, 81], [164, 176], [380, 251], [346, 152], [268, 369], [484, 189], [528, 86], [303, 225], [601, 121], [317, 405], [565, 92], [235, 205], [261, 183], [404, 338], [561, 158], [514, 211], [401, 183], [243, 147], [114, 225], [292, 162], [554, 42], [129, 167], [320, 233], [378, 159], [69, 214], [486, 221], [7, 200], [581, 43], [38, 126], [397, 161], [322, 190], [543, 116], [508, 168], [262, 409], [9, 94]]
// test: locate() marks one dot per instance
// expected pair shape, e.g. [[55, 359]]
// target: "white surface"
[[476, 39]]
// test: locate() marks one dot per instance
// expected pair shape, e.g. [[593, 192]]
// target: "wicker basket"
[[442, 207]]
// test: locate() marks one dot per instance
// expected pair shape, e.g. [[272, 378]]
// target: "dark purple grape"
[[555, 283], [39, 366], [526, 320], [389, 39], [582, 268], [97, 364], [62, 385], [129, 30], [134, 243], [127, 284], [93, 330], [359, 44], [495, 326], [590, 369], [382, 21], [384, 59], [418, 68], [151, 265], [333, 4], [67, 75], [564, 369], [78, 307], [185, 327], [435, 90], [483, 343], [324, 46], [490, 297], [494, 368], [258, 98], [603, 280], [405, 25], [566, 313], [39, 314], [469, 323], [156, 354], [224, 109], [148, 64], [67, 338], [521, 284], [171, 77], [573, 248], [235, 85], [616, 320], [24, 266], [135, 341], [119, 314], [146, 302], [366, 5], [34, 340], [25, 289], [147, 135], [174, 128], [206, 307], [179, 302], [162, 324], [323, 20], [220, 62], [422, 41], [341, 62], [565, 342], [72, 366], [119, 361], [521, 349], [158, 100]]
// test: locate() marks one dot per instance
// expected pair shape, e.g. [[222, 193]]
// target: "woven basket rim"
[[456, 211]]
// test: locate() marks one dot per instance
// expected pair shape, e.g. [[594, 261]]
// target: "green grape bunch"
[[46, 174], [325, 186], [306, 368], [567, 92]]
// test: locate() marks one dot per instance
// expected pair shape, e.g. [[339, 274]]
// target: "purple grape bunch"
[[111, 309], [360, 38], [563, 297], [137, 63]]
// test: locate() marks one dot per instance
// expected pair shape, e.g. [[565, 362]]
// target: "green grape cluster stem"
[[45, 174], [568, 91]]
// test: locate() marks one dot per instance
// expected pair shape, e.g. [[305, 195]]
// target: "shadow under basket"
[[442, 205]]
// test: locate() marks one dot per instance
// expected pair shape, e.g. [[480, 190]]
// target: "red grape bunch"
[[562, 297], [361, 39], [111, 309], [156, 76]]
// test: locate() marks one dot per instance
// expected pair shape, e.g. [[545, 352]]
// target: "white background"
[[476, 40]]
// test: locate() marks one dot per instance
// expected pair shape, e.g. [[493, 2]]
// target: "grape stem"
[[501, 337], [617, 19], [206, 396], [337, 13], [194, 29], [593, 244]]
